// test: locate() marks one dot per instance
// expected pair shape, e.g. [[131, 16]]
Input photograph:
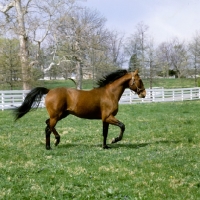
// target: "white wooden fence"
[[14, 98], [161, 95]]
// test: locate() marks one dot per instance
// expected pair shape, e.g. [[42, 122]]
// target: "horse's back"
[[81, 103]]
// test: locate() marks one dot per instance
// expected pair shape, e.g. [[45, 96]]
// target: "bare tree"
[[163, 58], [150, 59], [179, 57], [137, 45], [194, 50], [173, 55], [116, 43], [21, 32], [77, 35], [31, 21]]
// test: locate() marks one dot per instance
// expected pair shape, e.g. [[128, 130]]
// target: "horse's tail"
[[32, 100]]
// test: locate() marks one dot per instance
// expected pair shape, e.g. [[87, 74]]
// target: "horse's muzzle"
[[142, 94]]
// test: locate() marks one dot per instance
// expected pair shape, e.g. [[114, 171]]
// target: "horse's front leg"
[[122, 127], [105, 134], [112, 120]]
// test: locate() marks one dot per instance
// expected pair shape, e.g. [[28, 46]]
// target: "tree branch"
[[6, 8]]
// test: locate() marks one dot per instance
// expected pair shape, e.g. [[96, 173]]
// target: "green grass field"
[[158, 157]]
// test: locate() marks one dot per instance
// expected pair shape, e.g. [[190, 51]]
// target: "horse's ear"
[[136, 72]]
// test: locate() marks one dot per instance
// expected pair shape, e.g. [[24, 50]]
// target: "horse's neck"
[[120, 85]]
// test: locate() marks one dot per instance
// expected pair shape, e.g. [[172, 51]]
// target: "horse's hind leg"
[[48, 133], [57, 136], [51, 128]]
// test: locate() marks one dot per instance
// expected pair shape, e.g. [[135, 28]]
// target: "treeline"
[[61, 39]]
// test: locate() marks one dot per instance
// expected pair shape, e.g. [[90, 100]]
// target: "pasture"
[[158, 157]]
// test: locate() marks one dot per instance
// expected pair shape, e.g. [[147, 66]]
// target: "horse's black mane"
[[109, 78]]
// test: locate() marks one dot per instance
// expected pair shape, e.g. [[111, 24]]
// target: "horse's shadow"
[[139, 145], [136, 145], [130, 145], [118, 145]]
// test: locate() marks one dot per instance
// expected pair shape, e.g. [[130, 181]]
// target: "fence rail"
[[162, 95], [14, 98]]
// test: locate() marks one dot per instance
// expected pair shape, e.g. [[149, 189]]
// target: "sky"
[[166, 19]]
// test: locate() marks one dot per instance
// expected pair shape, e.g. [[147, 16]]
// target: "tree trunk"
[[79, 75], [23, 40]]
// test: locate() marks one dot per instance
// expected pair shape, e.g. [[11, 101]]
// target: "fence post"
[[130, 97], [182, 94], [2, 99], [153, 94], [199, 93], [23, 95]]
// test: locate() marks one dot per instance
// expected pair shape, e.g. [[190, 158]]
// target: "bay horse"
[[98, 103]]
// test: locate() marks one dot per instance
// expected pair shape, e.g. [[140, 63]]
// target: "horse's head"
[[136, 84]]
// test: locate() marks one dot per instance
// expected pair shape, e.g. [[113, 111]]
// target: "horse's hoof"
[[48, 148], [113, 141], [56, 143], [106, 147]]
